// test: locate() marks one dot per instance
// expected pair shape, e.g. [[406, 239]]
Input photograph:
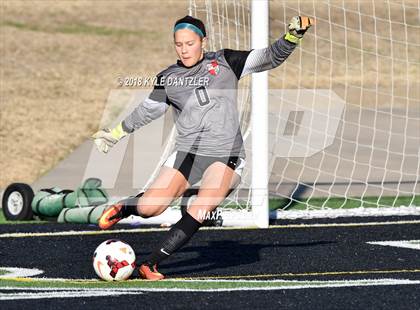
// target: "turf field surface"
[[316, 264]]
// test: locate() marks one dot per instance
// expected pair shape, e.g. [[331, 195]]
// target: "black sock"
[[178, 235], [130, 206]]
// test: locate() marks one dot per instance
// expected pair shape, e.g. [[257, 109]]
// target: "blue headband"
[[190, 27]]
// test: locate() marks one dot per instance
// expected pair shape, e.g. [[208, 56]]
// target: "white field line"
[[86, 292], [360, 212], [15, 272], [22, 274], [63, 294], [285, 283], [409, 244], [267, 282], [19, 274], [145, 230], [79, 233]]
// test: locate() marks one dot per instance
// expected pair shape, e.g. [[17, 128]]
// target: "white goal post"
[[259, 118]]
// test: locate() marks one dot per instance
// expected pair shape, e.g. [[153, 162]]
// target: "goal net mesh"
[[344, 108]]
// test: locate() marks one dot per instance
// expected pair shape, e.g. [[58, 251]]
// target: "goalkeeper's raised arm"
[[241, 63], [257, 60]]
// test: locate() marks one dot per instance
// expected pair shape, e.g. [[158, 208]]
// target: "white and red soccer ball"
[[114, 260]]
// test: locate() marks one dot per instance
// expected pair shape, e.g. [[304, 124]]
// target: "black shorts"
[[192, 166]]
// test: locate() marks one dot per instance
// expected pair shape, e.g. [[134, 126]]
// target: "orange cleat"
[[110, 216], [148, 272]]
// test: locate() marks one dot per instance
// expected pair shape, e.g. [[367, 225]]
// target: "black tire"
[[16, 202]]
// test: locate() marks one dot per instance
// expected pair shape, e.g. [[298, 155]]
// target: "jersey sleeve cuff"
[[291, 38], [125, 128]]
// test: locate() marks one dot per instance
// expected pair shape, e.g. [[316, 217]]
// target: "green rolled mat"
[[50, 201], [86, 215], [91, 197], [91, 193]]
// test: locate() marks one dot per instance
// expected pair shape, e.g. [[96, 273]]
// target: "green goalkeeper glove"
[[297, 28], [107, 138]]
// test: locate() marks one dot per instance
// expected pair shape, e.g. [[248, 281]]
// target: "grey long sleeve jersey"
[[204, 98]]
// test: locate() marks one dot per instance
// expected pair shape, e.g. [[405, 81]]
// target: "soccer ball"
[[114, 260]]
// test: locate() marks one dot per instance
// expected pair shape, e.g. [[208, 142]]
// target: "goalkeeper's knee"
[[130, 205]]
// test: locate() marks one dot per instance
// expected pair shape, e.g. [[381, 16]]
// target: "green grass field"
[[4, 221], [349, 203], [175, 283], [313, 203], [136, 283]]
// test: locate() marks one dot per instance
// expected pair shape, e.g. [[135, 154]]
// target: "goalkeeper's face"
[[189, 46]]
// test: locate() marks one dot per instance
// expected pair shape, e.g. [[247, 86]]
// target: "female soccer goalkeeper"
[[202, 88]]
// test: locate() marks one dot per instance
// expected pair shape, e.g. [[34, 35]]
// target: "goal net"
[[344, 108], [346, 130]]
